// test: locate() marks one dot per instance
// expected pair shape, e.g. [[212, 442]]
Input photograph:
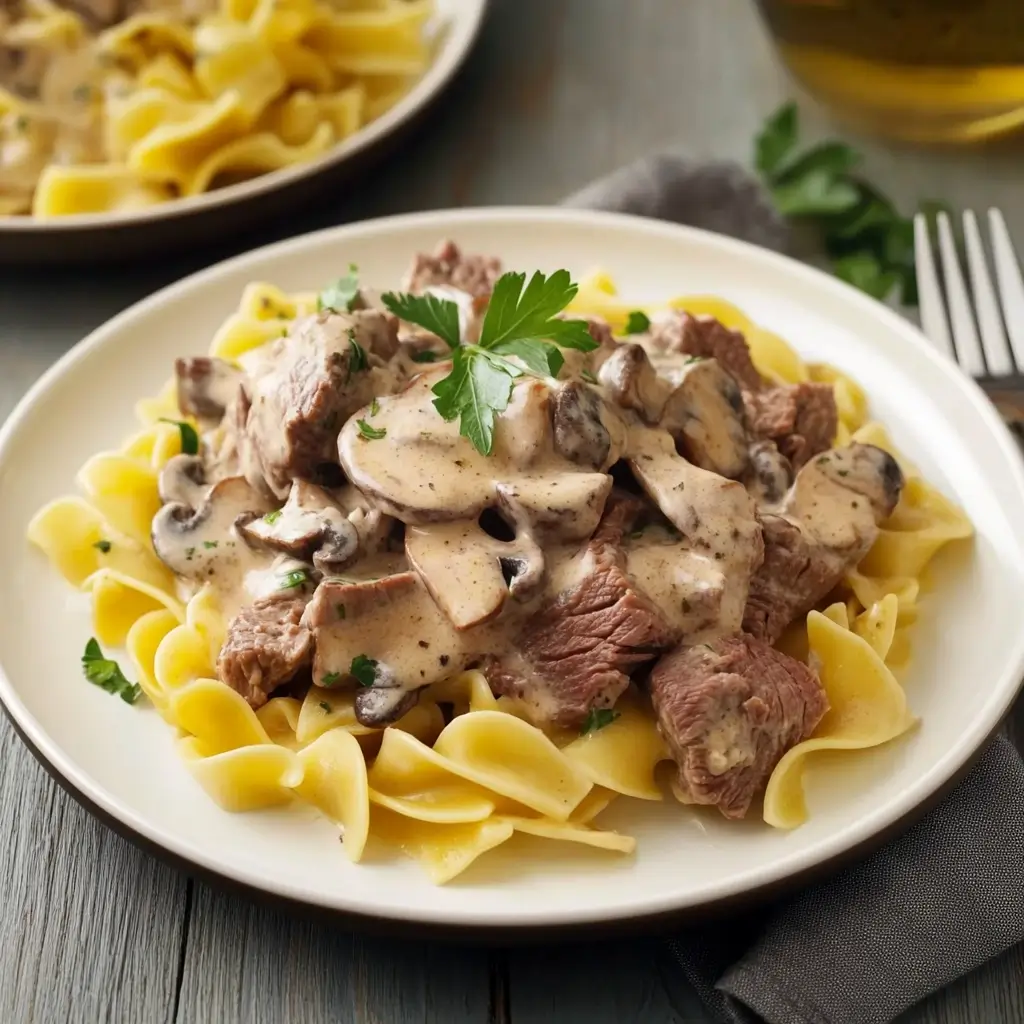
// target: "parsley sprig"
[[868, 242], [521, 322], [107, 674]]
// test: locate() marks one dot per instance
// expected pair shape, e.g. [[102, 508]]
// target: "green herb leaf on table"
[[370, 433], [439, 316], [870, 244], [340, 296], [364, 670], [598, 718], [107, 674], [189, 437], [637, 322]]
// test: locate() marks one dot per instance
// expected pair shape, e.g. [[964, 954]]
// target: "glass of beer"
[[921, 70]]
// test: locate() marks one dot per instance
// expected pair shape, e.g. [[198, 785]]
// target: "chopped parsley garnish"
[[295, 578], [521, 322], [588, 376], [426, 356], [272, 517], [330, 679], [107, 674], [209, 544], [357, 361], [638, 322], [374, 407], [189, 437], [189, 552], [102, 545], [371, 433], [340, 296], [325, 707], [598, 718], [364, 670]]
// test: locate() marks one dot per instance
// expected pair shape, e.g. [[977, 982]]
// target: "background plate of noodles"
[[157, 122], [938, 706]]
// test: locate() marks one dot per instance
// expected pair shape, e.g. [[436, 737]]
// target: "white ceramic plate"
[[219, 213], [120, 760]]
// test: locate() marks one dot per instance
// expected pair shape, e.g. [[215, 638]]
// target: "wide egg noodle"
[[867, 707], [245, 778]]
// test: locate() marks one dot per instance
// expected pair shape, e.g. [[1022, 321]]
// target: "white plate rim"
[[891, 816], [460, 32]]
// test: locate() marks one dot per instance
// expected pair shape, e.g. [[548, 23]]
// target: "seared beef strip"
[[304, 388], [800, 418], [449, 267], [826, 525], [576, 653], [729, 710], [266, 646]]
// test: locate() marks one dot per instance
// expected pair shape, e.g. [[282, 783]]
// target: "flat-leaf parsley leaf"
[[637, 322], [598, 718], [189, 437], [364, 670], [107, 674], [370, 433]]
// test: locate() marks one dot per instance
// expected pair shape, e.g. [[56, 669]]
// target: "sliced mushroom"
[[183, 481], [768, 475], [705, 415], [206, 387], [578, 419], [191, 540], [464, 569], [390, 629], [423, 471], [717, 517], [308, 526], [632, 382]]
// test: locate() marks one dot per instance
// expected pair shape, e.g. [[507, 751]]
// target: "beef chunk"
[[449, 266], [304, 389], [828, 522], [707, 338], [729, 710], [266, 646], [801, 418], [206, 386], [576, 653]]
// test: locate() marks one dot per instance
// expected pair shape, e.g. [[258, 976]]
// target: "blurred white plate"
[[120, 761], [86, 238]]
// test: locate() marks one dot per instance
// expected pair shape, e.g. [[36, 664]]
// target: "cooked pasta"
[[469, 764], [185, 95]]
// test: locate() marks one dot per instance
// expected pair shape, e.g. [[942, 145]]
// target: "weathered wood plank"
[[248, 964], [90, 927]]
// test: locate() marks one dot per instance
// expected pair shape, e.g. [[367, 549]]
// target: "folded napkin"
[[945, 897]]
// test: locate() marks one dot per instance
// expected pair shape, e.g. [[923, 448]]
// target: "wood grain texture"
[[90, 927], [559, 92], [246, 964]]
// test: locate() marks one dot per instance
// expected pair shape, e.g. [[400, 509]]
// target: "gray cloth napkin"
[[942, 899]]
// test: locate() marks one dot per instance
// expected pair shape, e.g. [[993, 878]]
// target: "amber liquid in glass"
[[925, 70]]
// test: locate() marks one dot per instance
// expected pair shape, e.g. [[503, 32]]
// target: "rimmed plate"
[[88, 238], [120, 760]]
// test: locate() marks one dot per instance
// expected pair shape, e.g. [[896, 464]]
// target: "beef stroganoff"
[[119, 105], [484, 555]]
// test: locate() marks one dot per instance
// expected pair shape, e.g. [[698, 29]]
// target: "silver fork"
[[980, 327]]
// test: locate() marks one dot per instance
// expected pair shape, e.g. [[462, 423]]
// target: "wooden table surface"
[[92, 929]]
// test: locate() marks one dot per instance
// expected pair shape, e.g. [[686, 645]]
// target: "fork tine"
[[1011, 287], [965, 335], [930, 301], [986, 305]]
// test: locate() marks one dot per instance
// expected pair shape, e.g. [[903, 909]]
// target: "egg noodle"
[[444, 794], [165, 104]]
